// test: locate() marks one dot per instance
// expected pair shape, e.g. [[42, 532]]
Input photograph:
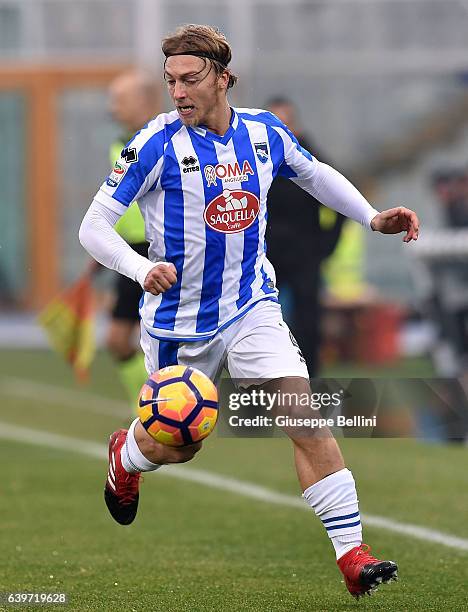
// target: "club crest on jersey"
[[261, 149], [232, 211], [228, 173], [118, 172]]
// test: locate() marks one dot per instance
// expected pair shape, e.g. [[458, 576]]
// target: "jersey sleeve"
[[297, 162], [136, 170], [322, 181], [98, 236]]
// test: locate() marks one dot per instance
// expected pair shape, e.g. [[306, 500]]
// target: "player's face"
[[197, 91]]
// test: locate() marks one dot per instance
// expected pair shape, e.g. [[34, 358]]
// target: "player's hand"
[[160, 278], [396, 220]]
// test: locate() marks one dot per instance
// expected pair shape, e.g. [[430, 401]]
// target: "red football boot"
[[121, 492], [363, 573]]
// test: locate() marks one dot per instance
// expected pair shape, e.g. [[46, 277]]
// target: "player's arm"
[[138, 168], [335, 191], [99, 238], [332, 189]]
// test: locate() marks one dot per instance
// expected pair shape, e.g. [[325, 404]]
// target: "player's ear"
[[223, 80]]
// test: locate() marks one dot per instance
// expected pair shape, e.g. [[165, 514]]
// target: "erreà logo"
[[190, 164], [232, 211]]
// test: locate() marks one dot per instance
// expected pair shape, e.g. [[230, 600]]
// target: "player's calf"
[[161, 454]]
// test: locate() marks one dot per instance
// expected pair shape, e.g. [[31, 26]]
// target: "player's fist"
[[160, 278], [396, 220]]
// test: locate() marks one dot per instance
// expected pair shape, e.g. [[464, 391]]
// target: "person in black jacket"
[[295, 234]]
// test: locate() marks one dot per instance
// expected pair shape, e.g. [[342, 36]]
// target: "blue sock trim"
[[340, 518], [343, 526]]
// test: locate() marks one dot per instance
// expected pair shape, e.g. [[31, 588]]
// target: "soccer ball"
[[178, 405]]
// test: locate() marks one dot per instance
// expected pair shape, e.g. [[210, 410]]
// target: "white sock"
[[335, 502], [133, 460]]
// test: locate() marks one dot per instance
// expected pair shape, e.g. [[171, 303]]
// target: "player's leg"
[[329, 488], [316, 452], [263, 350], [135, 451], [128, 358]]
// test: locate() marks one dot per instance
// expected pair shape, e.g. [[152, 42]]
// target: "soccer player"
[[210, 298]]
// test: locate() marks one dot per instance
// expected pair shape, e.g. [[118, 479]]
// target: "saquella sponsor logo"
[[232, 211]]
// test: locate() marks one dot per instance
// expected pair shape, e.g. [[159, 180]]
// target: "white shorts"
[[259, 345]]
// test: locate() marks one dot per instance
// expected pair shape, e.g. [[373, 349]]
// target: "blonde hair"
[[206, 42]]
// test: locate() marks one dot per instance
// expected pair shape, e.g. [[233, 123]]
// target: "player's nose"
[[179, 91]]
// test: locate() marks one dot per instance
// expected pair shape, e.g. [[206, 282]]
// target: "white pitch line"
[[22, 388], [225, 483]]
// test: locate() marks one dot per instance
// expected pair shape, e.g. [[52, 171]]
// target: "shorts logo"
[[232, 211], [261, 149], [228, 173], [294, 342], [190, 164], [118, 172]]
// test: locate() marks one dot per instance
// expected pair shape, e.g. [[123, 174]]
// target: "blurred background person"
[[443, 259], [133, 101], [300, 230], [450, 186]]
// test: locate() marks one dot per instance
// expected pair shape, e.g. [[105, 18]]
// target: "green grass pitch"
[[197, 548]]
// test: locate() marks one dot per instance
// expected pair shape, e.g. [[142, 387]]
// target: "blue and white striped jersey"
[[203, 199]]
